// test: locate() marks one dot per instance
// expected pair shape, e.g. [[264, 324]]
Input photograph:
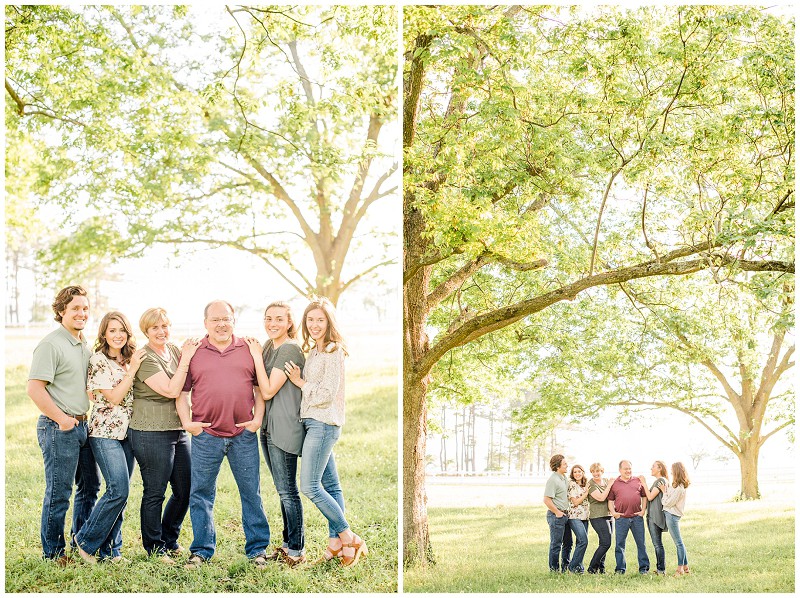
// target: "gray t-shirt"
[[282, 412], [557, 488], [62, 361], [655, 512]]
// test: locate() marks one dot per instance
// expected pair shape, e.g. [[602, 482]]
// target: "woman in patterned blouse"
[[322, 413], [111, 372], [578, 494]]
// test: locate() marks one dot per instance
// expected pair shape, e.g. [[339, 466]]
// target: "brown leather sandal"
[[359, 547], [329, 555]]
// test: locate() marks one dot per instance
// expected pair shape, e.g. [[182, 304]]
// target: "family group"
[[614, 507], [178, 412]]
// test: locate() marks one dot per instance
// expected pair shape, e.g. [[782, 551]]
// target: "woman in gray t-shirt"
[[656, 522], [282, 433]]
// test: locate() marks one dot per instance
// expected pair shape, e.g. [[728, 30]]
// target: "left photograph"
[[202, 218]]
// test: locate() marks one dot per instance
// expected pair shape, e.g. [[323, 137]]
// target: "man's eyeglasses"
[[225, 320]]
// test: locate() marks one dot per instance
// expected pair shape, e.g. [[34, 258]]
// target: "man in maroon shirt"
[[226, 412], [626, 502]]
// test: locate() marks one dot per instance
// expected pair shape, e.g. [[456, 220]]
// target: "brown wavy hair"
[[332, 334], [582, 483], [662, 468], [555, 462], [292, 332], [101, 344], [64, 298], [679, 475]]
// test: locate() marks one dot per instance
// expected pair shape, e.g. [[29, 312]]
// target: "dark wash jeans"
[[604, 526], [658, 545], [283, 467], [636, 525], [68, 460], [164, 457], [103, 530], [560, 541]]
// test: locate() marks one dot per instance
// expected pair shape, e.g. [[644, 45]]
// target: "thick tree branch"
[[500, 318]]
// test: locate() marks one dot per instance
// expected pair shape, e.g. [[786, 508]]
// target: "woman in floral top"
[[322, 413], [578, 494], [111, 372]]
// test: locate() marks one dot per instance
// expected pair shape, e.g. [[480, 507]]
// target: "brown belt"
[[80, 418]]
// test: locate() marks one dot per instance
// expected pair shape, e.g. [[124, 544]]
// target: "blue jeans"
[[673, 525], [103, 530], [579, 527], [636, 525], [207, 454], [658, 545], [68, 459], [283, 467], [559, 531], [604, 526], [164, 457], [319, 480]]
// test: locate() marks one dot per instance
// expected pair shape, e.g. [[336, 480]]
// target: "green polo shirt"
[[556, 488], [62, 361]]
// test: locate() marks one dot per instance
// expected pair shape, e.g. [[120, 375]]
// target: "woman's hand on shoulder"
[[254, 346], [189, 348], [136, 360]]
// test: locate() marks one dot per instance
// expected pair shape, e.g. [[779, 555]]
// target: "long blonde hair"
[[332, 334], [679, 476]]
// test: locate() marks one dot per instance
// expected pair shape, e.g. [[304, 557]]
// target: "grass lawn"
[[736, 547], [366, 457]]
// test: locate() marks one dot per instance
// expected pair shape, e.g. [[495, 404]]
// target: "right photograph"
[[598, 295]]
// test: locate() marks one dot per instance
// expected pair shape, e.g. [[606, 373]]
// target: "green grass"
[[738, 547], [367, 462]]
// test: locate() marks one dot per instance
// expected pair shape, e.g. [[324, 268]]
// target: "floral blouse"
[[323, 392], [582, 510], [107, 420]]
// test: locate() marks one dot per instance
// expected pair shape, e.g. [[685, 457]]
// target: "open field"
[[367, 463], [732, 547]]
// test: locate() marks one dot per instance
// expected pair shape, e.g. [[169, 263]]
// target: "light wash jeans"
[[103, 529], [673, 525], [636, 526], [580, 528], [319, 480], [208, 451]]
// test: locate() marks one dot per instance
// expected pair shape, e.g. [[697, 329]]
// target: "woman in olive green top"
[[160, 445], [599, 517]]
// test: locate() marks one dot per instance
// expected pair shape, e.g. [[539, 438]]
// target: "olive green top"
[[153, 412], [597, 508]]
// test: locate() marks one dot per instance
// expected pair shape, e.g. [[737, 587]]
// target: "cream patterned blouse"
[[582, 510], [107, 420], [323, 392]]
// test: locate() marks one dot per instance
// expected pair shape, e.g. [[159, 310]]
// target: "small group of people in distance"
[[613, 507], [178, 412]]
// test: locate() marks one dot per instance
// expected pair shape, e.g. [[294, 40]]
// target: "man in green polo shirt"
[[557, 503], [57, 385]]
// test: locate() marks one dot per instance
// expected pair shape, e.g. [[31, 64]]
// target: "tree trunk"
[[416, 541], [748, 466]]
